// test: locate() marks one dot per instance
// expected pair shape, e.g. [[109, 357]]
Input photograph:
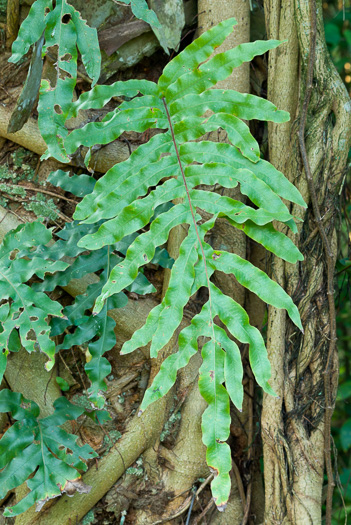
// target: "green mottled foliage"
[[124, 220], [141, 10], [24, 312], [174, 164], [65, 34], [34, 445]]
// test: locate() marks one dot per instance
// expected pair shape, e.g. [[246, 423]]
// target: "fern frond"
[[79, 185], [174, 164], [64, 29], [97, 331], [177, 166], [40, 447], [141, 10], [26, 310]]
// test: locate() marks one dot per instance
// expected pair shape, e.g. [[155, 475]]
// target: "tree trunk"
[[296, 425]]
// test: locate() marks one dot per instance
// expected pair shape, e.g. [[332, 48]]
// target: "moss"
[[138, 470], [82, 401], [18, 157], [12, 190], [111, 438], [21, 170], [169, 424], [41, 206]]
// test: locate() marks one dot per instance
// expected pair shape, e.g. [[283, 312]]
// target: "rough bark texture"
[[294, 425]]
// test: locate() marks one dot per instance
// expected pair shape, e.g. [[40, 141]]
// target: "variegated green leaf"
[[238, 134], [39, 447], [26, 310], [31, 29], [100, 204], [196, 53], [79, 185], [242, 105], [207, 152], [207, 74]]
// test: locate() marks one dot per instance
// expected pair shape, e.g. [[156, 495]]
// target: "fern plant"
[[184, 106], [38, 446], [23, 308], [64, 30], [176, 162], [141, 10], [29, 318]]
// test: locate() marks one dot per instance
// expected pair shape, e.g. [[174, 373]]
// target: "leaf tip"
[[222, 506]]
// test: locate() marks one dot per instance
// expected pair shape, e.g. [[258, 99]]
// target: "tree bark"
[[296, 425]]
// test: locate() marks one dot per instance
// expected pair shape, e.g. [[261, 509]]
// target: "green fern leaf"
[[140, 10], [101, 203], [98, 368], [274, 241], [177, 166], [31, 29], [238, 134], [257, 281], [205, 75], [38, 446], [173, 165], [63, 28], [138, 118], [79, 185], [99, 96], [216, 420], [26, 310], [196, 53], [207, 152]]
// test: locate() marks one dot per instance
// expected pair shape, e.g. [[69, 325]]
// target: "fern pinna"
[[175, 162]]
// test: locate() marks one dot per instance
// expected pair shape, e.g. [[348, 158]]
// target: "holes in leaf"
[[66, 58], [66, 18], [31, 335], [46, 11], [16, 315], [33, 318], [58, 109], [64, 74]]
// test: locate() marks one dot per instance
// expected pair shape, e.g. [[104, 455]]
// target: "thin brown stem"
[[329, 263], [187, 503], [47, 192]]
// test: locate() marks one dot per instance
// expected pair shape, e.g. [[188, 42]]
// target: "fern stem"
[[192, 212]]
